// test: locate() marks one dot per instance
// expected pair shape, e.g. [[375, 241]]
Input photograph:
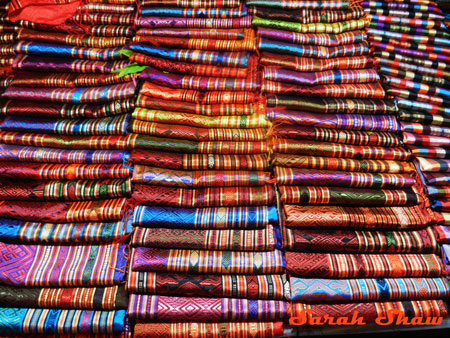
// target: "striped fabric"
[[205, 23], [309, 4], [198, 178], [162, 308], [297, 176], [192, 3], [219, 34], [214, 262], [205, 218], [212, 12], [213, 330], [358, 217], [19, 321], [363, 290], [243, 240], [203, 197], [434, 165], [275, 287], [341, 164], [362, 265], [325, 240], [62, 233], [38, 265]]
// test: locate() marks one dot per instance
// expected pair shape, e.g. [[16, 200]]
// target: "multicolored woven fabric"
[[37, 265], [205, 218], [362, 265], [213, 330], [340, 216], [274, 287], [364, 290], [54, 321], [392, 241], [100, 298], [245, 240], [196, 261], [163, 308]]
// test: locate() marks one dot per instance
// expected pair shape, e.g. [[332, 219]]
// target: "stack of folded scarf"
[[412, 47], [63, 185], [7, 39], [205, 259], [355, 224]]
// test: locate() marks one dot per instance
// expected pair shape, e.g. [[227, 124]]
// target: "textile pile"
[[412, 47], [63, 185], [205, 258], [7, 40], [356, 226]]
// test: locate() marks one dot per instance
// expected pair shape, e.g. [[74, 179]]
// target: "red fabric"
[[50, 12]]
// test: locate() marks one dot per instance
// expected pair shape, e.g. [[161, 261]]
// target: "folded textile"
[[202, 147], [335, 121], [341, 164], [100, 298], [244, 240], [442, 233], [54, 64], [198, 178], [56, 50], [199, 33], [62, 212], [47, 109], [298, 176], [274, 287], [426, 140], [73, 190], [418, 128], [239, 11], [434, 152], [413, 68], [347, 196], [205, 218], [382, 312], [442, 218], [362, 265], [307, 4], [247, 44], [177, 22], [311, 51], [312, 64], [424, 118], [442, 204], [173, 80], [420, 61], [163, 308], [39, 265], [434, 165], [72, 95], [306, 16], [50, 11], [391, 241], [330, 28], [212, 330], [326, 149], [318, 78], [16, 153], [49, 171], [218, 58], [360, 217], [207, 261], [114, 125], [421, 88], [363, 290], [197, 120], [410, 22], [66, 142], [353, 90], [187, 132], [203, 197], [436, 192], [192, 3], [437, 179], [12, 230], [199, 161], [188, 68], [333, 105], [195, 108], [321, 39], [385, 139], [189, 95], [55, 321]]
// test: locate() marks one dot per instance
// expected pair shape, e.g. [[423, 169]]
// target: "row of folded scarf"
[[63, 183], [412, 48], [7, 41], [206, 256], [354, 220]]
